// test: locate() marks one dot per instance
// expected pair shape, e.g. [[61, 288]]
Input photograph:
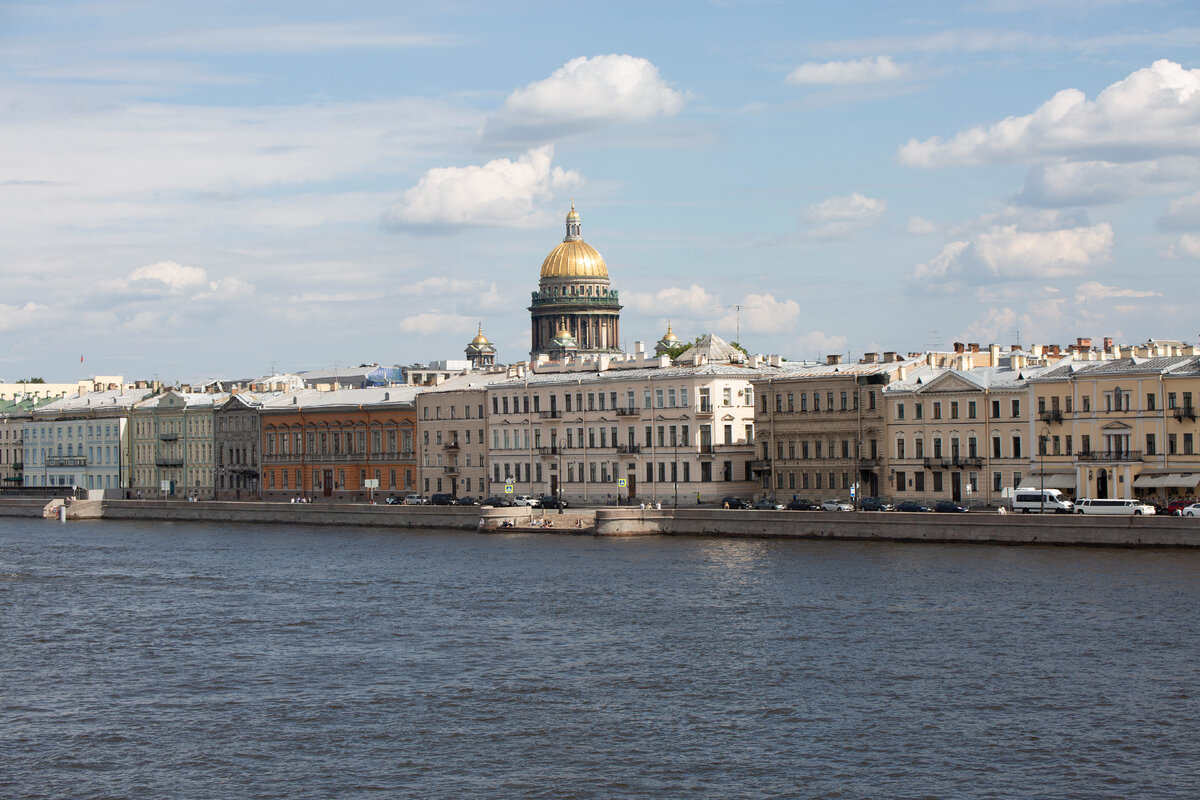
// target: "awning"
[[1051, 480], [1148, 481], [1181, 480]]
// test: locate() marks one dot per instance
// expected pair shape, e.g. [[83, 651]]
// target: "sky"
[[228, 189]]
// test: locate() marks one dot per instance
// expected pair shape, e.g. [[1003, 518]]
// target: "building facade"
[[630, 430], [822, 429], [452, 420], [237, 444], [1120, 427], [82, 441], [173, 445], [336, 445], [574, 297]]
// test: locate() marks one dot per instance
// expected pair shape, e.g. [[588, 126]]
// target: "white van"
[[1126, 507], [1037, 501]]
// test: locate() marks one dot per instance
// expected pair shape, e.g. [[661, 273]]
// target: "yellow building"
[[1122, 427], [172, 445]]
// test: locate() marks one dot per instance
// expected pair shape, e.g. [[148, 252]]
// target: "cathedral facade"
[[574, 310]]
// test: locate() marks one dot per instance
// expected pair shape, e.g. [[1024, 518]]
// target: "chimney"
[[994, 350], [973, 347], [1083, 344], [959, 347], [1017, 362], [833, 358], [754, 361], [889, 356], [1108, 344], [639, 347], [1014, 347], [1035, 350], [870, 358], [774, 360]]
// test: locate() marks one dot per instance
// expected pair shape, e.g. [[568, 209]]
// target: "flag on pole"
[[81, 359]]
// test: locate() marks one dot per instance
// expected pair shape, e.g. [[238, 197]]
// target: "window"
[[899, 410], [937, 482], [1016, 411], [937, 409], [919, 481], [1150, 401], [971, 410], [843, 405], [900, 449], [1172, 444], [918, 411], [1086, 403], [953, 409], [1016, 445], [997, 482], [1150, 443], [1187, 444]]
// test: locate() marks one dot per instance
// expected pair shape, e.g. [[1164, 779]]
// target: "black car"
[[950, 507], [468, 501], [912, 505], [803, 505], [392, 500], [734, 502], [549, 501], [874, 504], [443, 500], [498, 502], [768, 504]]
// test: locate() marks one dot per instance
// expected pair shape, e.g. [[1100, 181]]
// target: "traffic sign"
[[622, 483], [508, 488], [853, 492]]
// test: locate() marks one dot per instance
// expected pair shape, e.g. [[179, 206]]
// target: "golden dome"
[[572, 215], [563, 333], [574, 259], [670, 337], [480, 339]]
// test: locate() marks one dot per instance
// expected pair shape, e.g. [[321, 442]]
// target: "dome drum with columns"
[[574, 297]]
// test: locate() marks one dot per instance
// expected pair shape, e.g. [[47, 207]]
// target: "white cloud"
[[761, 313], [1183, 214], [1007, 252], [842, 217], [435, 323], [499, 193], [1078, 183], [920, 226], [1187, 246], [175, 277], [30, 315], [584, 94], [1094, 290], [862, 70], [694, 302], [816, 344], [1155, 112]]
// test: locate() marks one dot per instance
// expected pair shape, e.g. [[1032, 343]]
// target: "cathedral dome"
[[574, 258]]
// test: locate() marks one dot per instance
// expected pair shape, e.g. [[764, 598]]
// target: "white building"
[[81, 441], [596, 429]]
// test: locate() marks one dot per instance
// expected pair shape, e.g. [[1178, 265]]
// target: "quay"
[[979, 528]]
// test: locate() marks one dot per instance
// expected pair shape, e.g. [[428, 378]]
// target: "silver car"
[[837, 505]]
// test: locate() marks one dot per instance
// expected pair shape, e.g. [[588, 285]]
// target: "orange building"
[[327, 445]]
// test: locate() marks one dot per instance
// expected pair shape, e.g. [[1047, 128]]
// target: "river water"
[[211, 661]]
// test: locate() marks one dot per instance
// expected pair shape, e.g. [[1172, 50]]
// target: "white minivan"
[[1126, 507], [1037, 501]]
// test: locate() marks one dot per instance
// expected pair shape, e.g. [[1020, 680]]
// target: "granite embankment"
[[1155, 531]]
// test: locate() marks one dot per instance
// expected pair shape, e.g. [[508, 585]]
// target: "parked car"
[[803, 505], [392, 500], [468, 501], [549, 501], [912, 505], [523, 500], [734, 502], [1113, 507], [837, 505], [950, 507], [415, 500], [1049, 501], [498, 502], [1191, 511], [874, 504], [768, 504], [1175, 507], [443, 500]]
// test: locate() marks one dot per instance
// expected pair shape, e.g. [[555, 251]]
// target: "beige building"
[[172, 445], [1119, 423], [23, 390], [959, 431], [822, 428], [637, 428], [452, 435]]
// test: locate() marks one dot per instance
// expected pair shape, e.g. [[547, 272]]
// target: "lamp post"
[[675, 468]]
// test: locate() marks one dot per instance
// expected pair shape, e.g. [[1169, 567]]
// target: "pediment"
[[947, 383]]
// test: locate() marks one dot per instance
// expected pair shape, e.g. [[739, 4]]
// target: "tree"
[[31, 380]]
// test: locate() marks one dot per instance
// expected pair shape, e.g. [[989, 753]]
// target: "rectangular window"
[[899, 410], [919, 481], [953, 409], [937, 482], [1016, 445], [1016, 410], [1187, 444], [843, 405], [1150, 443], [997, 482], [918, 411], [937, 409], [1150, 401]]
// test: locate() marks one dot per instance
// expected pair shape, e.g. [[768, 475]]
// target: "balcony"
[[169, 437], [450, 445], [452, 469], [1110, 455], [706, 448], [968, 462], [629, 448], [1187, 412], [628, 412], [162, 461], [705, 409], [66, 461], [553, 450], [1052, 415], [761, 466], [550, 414]]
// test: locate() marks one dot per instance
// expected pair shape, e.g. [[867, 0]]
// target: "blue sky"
[[219, 188]]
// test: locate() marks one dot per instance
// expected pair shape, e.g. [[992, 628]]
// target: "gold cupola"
[[574, 258]]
